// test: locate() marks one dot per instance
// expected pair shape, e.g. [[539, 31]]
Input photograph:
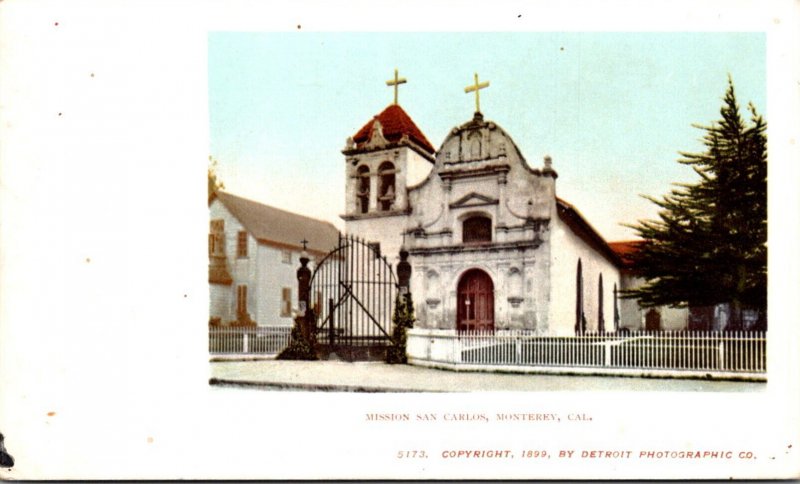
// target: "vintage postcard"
[[479, 242]]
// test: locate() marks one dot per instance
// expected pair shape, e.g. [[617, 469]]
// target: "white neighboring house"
[[254, 254]]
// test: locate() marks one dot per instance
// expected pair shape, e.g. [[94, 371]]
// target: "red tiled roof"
[[395, 123], [624, 248]]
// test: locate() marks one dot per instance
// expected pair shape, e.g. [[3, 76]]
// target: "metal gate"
[[352, 292]]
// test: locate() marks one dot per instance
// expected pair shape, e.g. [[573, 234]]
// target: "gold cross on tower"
[[396, 82], [477, 87]]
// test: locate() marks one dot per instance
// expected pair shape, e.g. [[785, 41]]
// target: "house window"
[[477, 229], [363, 189], [387, 189], [241, 244], [216, 238], [241, 300], [286, 256], [217, 225], [286, 302]]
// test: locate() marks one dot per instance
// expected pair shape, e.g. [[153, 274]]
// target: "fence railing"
[[742, 352], [259, 340]]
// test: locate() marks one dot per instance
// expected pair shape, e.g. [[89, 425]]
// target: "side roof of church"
[[274, 226]]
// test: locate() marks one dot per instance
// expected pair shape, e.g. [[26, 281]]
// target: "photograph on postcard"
[[478, 241], [530, 210]]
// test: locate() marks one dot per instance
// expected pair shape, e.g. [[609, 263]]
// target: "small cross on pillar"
[[305, 243], [477, 87], [396, 83]]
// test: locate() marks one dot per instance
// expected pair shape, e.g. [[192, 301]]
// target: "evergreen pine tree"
[[709, 244]]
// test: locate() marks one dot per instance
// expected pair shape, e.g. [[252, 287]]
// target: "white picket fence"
[[683, 351], [258, 340]]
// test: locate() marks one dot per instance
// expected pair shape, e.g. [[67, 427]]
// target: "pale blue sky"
[[612, 109]]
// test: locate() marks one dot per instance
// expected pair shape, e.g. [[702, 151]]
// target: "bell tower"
[[383, 158]]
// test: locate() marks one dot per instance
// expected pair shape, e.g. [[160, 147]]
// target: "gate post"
[[303, 279], [403, 317], [404, 273]]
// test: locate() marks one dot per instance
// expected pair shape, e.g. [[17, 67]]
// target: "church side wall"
[[566, 249]]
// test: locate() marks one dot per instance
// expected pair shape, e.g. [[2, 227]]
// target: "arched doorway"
[[475, 310]]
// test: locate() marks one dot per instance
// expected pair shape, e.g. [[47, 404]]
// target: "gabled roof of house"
[[278, 227], [583, 229], [395, 123]]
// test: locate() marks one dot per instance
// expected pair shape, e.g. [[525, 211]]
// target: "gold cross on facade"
[[477, 87], [396, 82]]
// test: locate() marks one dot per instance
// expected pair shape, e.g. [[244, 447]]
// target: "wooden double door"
[[475, 301]]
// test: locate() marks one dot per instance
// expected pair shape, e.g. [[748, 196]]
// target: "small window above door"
[[477, 229]]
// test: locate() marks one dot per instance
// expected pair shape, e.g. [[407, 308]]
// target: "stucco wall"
[[388, 231], [418, 168], [567, 248]]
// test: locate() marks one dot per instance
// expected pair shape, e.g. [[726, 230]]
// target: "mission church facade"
[[491, 245]]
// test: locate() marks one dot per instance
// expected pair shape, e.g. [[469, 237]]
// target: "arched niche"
[[515, 289], [386, 186]]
